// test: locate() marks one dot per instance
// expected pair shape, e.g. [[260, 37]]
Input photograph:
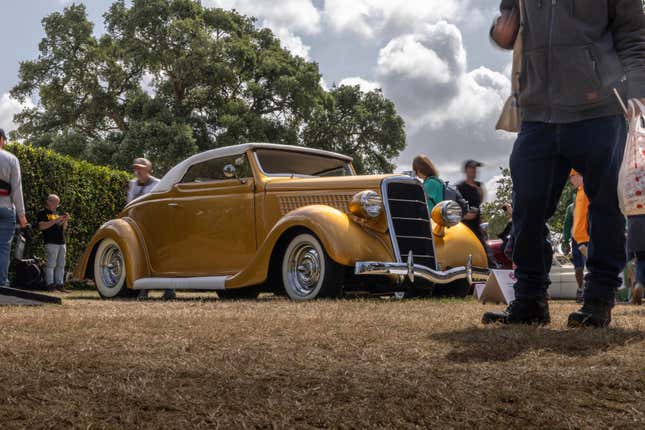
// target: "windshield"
[[292, 163]]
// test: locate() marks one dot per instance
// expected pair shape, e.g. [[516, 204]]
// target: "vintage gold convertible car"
[[290, 220]]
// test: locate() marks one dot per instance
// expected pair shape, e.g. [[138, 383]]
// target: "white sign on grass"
[[499, 288]]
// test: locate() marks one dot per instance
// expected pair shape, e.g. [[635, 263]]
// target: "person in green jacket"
[[434, 188]]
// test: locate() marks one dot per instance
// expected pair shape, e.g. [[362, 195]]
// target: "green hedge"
[[91, 194]]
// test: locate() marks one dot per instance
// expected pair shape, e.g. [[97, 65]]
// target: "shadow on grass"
[[195, 299], [631, 311], [479, 344]]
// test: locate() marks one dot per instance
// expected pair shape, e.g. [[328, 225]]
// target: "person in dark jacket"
[[636, 246], [473, 191], [575, 53]]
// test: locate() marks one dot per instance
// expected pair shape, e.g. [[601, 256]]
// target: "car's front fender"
[[344, 240], [123, 232], [456, 244]]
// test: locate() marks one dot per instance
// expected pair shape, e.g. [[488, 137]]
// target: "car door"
[[154, 217], [214, 218]]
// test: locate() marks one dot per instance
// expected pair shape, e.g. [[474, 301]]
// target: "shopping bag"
[[631, 179]]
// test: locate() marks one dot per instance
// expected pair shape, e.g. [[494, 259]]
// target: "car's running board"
[[213, 283]]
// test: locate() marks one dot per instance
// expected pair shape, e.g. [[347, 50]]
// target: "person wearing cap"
[[12, 205], [143, 182], [576, 55], [473, 191]]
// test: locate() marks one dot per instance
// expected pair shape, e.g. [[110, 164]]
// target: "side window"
[[213, 170]]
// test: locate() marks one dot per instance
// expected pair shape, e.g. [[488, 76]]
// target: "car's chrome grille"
[[409, 220]]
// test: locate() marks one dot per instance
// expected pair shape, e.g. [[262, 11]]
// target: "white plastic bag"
[[631, 179]]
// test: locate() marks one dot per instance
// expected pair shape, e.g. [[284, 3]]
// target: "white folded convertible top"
[[175, 174]]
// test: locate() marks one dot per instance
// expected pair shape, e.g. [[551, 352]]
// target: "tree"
[[491, 211], [364, 125], [170, 78]]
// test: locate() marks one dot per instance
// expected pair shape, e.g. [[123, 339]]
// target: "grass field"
[[345, 364]]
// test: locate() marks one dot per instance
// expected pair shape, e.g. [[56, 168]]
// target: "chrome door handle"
[[173, 205]]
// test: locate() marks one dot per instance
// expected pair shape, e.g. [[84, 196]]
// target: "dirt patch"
[[346, 364]]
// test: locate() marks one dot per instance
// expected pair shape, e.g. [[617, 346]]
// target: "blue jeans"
[[55, 269], [7, 230], [543, 156]]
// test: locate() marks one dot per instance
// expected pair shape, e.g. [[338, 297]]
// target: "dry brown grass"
[[344, 364]]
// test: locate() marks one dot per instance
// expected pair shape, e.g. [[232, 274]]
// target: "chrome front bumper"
[[412, 271]]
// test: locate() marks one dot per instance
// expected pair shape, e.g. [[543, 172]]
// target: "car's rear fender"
[[344, 240], [124, 232]]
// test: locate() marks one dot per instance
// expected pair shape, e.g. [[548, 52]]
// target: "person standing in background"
[[12, 205], [473, 191], [53, 225], [425, 170], [143, 182], [576, 231], [580, 229], [636, 247]]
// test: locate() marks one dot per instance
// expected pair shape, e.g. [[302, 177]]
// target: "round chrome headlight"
[[366, 204], [447, 214]]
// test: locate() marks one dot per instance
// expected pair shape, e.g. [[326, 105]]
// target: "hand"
[[22, 220], [506, 28], [584, 249], [566, 248]]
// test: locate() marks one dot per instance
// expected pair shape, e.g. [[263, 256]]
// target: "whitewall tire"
[[307, 271], [110, 271]]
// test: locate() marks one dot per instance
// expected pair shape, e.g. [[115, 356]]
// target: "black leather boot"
[[524, 311], [595, 314]]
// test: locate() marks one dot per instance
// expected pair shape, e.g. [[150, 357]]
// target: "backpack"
[[29, 272], [451, 192]]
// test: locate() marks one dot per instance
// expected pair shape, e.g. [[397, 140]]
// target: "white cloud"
[[292, 43], [8, 108], [296, 15], [287, 19], [450, 111], [366, 86], [371, 18]]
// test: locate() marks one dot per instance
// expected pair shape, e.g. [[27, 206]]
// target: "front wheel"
[[307, 271], [109, 271]]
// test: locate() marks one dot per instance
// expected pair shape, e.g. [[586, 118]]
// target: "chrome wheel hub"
[[111, 263], [304, 269]]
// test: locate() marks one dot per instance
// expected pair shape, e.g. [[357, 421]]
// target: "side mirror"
[[230, 171]]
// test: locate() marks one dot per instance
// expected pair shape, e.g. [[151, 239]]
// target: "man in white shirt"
[[144, 182], [11, 205], [141, 185]]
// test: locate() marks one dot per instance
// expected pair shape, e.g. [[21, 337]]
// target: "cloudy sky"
[[431, 57]]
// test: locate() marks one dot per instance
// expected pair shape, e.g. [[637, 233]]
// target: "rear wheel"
[[110, 271], [307, 271], [457, 289]]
